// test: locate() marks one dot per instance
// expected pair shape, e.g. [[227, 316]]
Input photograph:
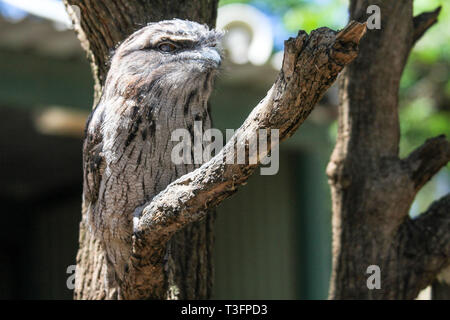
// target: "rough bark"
[[372, 188], [311, 64]]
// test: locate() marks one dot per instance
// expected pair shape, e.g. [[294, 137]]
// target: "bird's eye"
[[167, 47]]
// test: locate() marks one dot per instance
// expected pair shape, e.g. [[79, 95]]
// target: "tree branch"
[[423, 22], [427, 243], [427, 160], [311, 64]]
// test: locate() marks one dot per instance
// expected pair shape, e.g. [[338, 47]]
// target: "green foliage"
[[425, 86], [310, 15], [420, 121], [225, 2], [304, 14]]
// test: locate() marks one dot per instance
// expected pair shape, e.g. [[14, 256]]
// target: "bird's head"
[[171, 52]]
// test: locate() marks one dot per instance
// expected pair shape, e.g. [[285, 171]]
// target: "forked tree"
[[372, 188], [168, 248]]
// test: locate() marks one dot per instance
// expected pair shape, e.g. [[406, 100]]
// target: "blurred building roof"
[[28, 35]]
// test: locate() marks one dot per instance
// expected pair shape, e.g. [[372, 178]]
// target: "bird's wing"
[[93, 161]]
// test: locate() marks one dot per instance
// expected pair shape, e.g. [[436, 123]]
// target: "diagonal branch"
[[311, 64], [423, 22], [427, 160], [427, 243]]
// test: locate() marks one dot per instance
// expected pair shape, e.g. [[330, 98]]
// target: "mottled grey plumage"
[[160, 80]]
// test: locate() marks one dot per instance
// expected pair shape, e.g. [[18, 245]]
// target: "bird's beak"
[[212, 55]]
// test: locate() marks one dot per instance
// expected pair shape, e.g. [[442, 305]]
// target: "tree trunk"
[[372, 189], [101, 26]]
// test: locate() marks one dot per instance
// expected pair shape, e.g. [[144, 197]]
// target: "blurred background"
[[281, 249]]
